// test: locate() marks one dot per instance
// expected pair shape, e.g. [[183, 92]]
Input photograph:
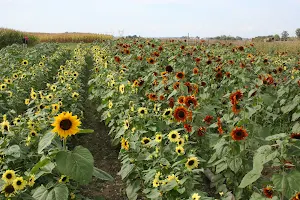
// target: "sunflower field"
[[209, 121]]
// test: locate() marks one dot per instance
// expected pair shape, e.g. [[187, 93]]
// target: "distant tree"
[[276, 37], [238, 38], [298, 32], [284, 35]]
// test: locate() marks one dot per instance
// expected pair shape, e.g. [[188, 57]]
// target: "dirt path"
[[105, 156]]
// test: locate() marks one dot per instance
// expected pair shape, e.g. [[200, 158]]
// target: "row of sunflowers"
[[201, 122], [41, 107]]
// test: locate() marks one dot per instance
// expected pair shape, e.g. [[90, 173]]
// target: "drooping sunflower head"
[[192, 163], [66, 124], [31, 180], [268, 191], [63, 179], [19, 183], [238, 133], [126, 124], [190, 100], [9, 190], [9, 176], [174, 136], [122, 88], [5, 126]]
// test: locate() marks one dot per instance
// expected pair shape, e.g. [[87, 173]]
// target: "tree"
[[298, 32], [284, 35], [276, 37]]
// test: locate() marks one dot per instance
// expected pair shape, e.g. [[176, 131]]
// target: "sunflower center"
[[65, 124], [19, 182], [181, 114], [180, 75], [167, 113], [146, 141], [64, 179], [191, 162], [8, 176], [179, 151], [190, 102], [173, 136], [239, 133], [142, 111], [9, 189], [33, 134], [179, 142], [5, 127]]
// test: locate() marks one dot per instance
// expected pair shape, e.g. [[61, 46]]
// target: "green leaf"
[[78, 164], [172, 94], [169, 186], [287, 183], [296, 128], [102, 175], [45, 141], [221, 167], [132, 189], [249, 178], [276, 137], [125, 170], [295, 116], [13, 151], [256, 196], [235, 164], [86, 131], [153, 194], [60, 192], [39, 165]]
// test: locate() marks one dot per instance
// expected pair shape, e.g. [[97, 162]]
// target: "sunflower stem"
[[65, 144]]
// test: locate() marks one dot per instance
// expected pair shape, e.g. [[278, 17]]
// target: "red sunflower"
[[238, 133], [181, 114]]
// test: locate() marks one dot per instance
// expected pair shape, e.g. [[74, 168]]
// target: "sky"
[[154, 18]]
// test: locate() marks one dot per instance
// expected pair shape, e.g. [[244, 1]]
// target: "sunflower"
[[151, 60], [196, 196], [152, 97], [167, 112], [142, 111], [15, 76], [176, 85], [268, 192], [219, 123], [158, 137], [25, 62], [41, 64], [33, 133], [66, 125], [235, 97], [9, 176], [124, 144], [180, 150], [191, 163], [295, 136], [75, 74], [49, 97], [63, 179], [181, 99], [3, 86], [195, 70], [27, 101], [53, 88], [188, 127], [190, 100], [181, 114], [8, 190], [75, 95], [110, 104], [126, 124], [155, 183], [145, 140], [122, 88], [174, 136], [201, 131], [297, 196], [31, 180], [180, 75], [19, 183], [180, 142], [33, 95], [17, 120], [238, 133], [8, 81], [5, 126], [55, 108]]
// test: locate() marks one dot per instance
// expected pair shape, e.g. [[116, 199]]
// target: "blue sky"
[[154, 18]]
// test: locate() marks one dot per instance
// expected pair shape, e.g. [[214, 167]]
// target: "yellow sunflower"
[[155, 183], [5, 126], [8, 190], [17, 120], [174, 136], [53, 88], [41, 64], [66, 125], [180, 142], [124, 144], [142, 111], [31, 180], [49, 97], [25, 62], [63, 179], [55, 108], [19, 183], [196, 196], [9, 176], [126, 124], [32, 94], [145, 140], [2, 86], [33, 133], [158, 137], [191, 163], [75, 95], [168, 112], [180, 150], [122, 88], [27, 101], [110, 104]]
